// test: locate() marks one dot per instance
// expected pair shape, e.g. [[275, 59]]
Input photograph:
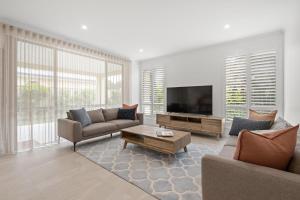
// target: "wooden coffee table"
[[145, 136]]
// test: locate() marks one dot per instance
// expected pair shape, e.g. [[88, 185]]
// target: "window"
[[51, 81], [250, 83], [236, 86], [153, 91], [263, 80], [80, 82]]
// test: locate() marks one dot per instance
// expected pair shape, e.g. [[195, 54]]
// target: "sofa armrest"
[[69, 129], [235, 180], [140, 117]]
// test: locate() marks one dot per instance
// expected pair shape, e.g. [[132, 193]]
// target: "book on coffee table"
[[164, 133]]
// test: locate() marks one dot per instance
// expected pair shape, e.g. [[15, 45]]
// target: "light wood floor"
[[58, 173]]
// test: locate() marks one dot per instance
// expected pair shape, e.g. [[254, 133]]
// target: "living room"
[[149, 100]]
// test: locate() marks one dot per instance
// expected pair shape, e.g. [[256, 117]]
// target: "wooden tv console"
[[192, 122]]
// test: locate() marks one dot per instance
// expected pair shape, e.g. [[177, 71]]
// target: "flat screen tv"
[[194, 99]]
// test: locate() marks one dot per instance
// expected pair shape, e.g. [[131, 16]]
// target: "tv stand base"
[[209, 125]]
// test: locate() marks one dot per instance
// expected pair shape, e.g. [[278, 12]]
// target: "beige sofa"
[[74, 132], [224, 178]]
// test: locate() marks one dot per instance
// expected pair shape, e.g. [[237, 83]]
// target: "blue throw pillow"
[[126, 114], [239, 124], [81, 116]]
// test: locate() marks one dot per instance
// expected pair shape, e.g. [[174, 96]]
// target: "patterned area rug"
[[164, 177]]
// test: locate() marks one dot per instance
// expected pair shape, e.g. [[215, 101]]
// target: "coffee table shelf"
[[145, 136]]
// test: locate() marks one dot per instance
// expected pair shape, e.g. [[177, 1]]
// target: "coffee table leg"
[[185, 149], [125, 144]]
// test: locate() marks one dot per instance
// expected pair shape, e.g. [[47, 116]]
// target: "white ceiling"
[[160, 27]]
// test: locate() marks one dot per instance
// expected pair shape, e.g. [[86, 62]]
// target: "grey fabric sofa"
[[74, 132], [226, 178]]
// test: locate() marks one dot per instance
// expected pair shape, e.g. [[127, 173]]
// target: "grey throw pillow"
[[239, 124], [96, 115], [81, 116]]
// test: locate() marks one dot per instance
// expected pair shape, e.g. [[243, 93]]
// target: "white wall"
[[134, 84], [292, 73], [205, 66]]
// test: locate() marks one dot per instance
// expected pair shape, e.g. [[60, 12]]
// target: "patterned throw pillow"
[[81, 116], [280, 123], [135, 106], [126, 114], [239, 124], [69, 116]]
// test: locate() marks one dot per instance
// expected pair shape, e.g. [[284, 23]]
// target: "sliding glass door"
[[36, 95], [51, 81], [80, 82]]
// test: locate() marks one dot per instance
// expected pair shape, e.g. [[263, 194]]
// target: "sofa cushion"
[[81, 116], [96, 115], [270, 149], [262, 116], [294, 165], [239, 124], [227, 152], [125, 123], [110, 113], [98, 129], [231, 141], [126, 114]]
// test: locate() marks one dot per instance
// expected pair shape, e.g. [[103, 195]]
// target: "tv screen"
[[195, 99]]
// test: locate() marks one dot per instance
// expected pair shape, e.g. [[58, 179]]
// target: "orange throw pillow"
[[253, 115], [126, 106], [272, 149]]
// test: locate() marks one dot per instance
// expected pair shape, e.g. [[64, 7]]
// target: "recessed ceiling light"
[[226, 26], [84, 27], [141, 50]]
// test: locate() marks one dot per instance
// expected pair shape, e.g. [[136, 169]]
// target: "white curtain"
[[43, 77], [8, 81]]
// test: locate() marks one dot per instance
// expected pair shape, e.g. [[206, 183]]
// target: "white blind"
[[158, 90], [263, 79], [147, 92], [250, 83], [153, 91], [236, 86]]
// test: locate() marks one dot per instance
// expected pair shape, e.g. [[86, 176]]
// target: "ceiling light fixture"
[[141, 50], [84, 27], [226, 26]]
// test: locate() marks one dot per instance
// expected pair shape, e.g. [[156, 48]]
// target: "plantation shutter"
[[153, 91], [263, 80], [236, 86], [251, 82], [147, 92], [158, 90]]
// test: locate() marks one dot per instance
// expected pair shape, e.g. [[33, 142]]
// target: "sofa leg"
[[111, 135], [74, 146]]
